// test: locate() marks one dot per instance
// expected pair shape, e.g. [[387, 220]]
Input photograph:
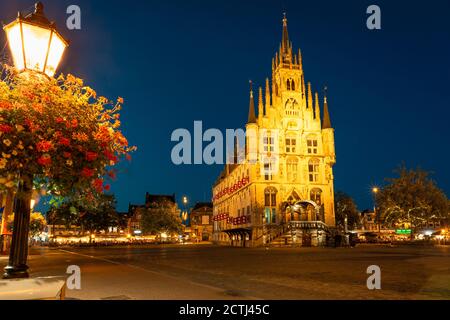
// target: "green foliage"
[[91, 216], [159, 219], [411, 197], [345, 206], [37, 223]]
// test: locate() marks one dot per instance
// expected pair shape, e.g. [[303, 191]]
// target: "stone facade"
[[288, 156], [202, 221]]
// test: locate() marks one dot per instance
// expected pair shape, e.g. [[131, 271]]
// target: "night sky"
[[179, 61]]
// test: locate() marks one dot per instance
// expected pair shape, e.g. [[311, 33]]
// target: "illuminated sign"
[[403, 231]]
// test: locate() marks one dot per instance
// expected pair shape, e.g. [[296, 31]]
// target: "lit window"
[[269, 142], [312, 146], [270, 201], [268, 171], [292, 169], [290, 85], [313, 169], [290, 145], [316, 196]]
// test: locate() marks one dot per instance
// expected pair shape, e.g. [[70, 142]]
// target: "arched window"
[[270, 203], [291, 169], [316, 196], [313, 170], [290, 85]]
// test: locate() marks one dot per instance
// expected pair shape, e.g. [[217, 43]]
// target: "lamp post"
[[375, 191], [36, 47], [185, 213]]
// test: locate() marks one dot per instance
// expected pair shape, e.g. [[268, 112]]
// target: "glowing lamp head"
[[375, 189], [34, 42]]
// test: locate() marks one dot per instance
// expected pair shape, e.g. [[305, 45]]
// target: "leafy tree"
[[102, 217], [159, 219], [345, 207], [37, 223], [412, 197], [90, 216], [65, 214]]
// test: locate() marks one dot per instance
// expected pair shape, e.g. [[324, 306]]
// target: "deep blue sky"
[[179, 61]]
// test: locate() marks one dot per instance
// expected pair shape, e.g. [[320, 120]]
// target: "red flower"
[[64, 141], [44, 146], [31, 125], [59, 120], [5, 105], [47, 99], [74, 123], [67, 154], [112, 174], [107, 187], [128, 157], [110, 156], [38, 107], [98, 185], [87, 173], [5, 128], [91, 156], [45, 160]]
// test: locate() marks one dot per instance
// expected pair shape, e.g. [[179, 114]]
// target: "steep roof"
[[159, 198], [200, 205]]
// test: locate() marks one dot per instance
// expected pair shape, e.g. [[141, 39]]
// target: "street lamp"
[[34, 42], [36, 46], [375, 191], [184, 214]]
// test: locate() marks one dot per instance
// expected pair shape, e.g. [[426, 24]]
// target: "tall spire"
[[326, 123], [260, 104], [267, 94], [300, 59], [285, 39], [303, 86], [251, 108], [317, 108], [310, 97]]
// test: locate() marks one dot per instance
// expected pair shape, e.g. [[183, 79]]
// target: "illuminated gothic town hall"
[[281, 192]]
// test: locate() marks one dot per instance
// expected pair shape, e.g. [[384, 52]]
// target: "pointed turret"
[[251, 108], [267, 95], [300, 59], [285, 41], [317, 108], [326, 123], [303, 86], [310, 97], [260, 104]]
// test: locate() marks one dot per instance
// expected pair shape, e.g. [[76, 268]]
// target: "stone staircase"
[[283, 241]]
